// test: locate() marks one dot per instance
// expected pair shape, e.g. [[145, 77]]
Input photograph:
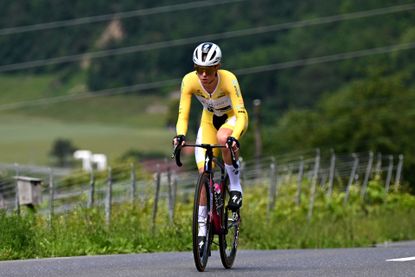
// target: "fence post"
[[378, 170], [389, 175], [170, 195], [91, 198], [109, 198], [367, 176], [51, 196], [242, 170], [300, 181], [314, 184], [331, 172], [257, 136], [273, 186], [156, 197], [133, 184], [174, 192], [17, 202], [351, 178], [398, 173]]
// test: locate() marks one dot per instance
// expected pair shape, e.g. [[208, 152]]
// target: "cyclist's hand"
[[232, 142], [179, 140]]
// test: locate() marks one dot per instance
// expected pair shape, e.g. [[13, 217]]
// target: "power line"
[[87, 95], [251, 70], [328, 58], [195, 39], [106, 17]]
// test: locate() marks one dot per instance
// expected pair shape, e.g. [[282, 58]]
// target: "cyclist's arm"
[[238, 108], [184, 108]]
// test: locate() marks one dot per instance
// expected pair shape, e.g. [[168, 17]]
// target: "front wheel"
[[201, 245], [228, 240]]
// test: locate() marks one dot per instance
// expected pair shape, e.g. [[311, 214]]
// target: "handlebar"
[[177, 150], [176, 154]]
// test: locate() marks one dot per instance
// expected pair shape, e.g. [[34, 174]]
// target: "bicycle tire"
[[228, 240], [201, 260]]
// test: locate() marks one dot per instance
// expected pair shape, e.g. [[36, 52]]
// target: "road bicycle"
[[220, 220]]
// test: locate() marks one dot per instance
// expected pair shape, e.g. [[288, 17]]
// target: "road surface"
[[397, 259]]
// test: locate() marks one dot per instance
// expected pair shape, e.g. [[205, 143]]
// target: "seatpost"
[[208, 157]]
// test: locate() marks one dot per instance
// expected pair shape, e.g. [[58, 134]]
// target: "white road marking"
[[401, 259]]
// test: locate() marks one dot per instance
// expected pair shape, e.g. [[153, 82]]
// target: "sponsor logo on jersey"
[[236, 87]]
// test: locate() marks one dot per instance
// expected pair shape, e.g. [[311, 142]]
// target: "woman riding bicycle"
[[224, 117]]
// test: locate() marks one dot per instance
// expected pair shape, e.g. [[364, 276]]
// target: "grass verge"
[[84, 232]]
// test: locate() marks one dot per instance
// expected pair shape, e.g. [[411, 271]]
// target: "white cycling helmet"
[[207, 54]]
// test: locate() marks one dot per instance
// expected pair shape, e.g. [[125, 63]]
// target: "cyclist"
[[224, 117]]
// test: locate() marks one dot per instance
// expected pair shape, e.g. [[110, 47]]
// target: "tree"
[[62, 150], [372, 114]]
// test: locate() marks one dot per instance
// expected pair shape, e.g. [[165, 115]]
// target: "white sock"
[[233, 173], [202, 220]]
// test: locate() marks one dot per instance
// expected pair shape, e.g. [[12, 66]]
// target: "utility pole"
[[257, 134]]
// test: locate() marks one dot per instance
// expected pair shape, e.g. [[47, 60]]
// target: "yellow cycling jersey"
[[225, 99]]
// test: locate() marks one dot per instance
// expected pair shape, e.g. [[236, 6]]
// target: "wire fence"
[[55, 191]]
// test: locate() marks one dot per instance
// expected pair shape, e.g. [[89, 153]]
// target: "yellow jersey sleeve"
[[238, 106], [184, 106]]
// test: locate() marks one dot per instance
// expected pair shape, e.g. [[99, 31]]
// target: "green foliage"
[[345, 121], [17, 237], [378, 219], [372, 114], [300, 86]]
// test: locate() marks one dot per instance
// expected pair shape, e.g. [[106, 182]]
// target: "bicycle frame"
[[217, 219]]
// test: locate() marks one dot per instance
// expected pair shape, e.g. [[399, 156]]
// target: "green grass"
[[84, 232], [20, 88], [109, 124], [27, 139]]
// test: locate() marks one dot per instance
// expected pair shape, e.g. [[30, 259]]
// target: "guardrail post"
[[91, 197], [300, 181], [331, 173], [351, 178], [398, 173], [313, 185], [367, 175], [109, 198], [389, 175], [156, 196]]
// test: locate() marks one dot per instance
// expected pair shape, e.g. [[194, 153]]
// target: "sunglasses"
[[209, 70]]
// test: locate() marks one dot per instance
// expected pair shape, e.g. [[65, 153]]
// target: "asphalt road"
[[375, 261]]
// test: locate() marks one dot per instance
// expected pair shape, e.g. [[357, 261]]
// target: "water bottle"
[[218, 196]]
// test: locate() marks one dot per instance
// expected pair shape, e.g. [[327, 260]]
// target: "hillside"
[[111, 125], [155, 45], [292, 55]]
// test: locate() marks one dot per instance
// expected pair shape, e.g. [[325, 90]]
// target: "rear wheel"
[[228, 240], [201, 245]]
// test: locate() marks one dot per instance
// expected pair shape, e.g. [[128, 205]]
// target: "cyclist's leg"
[[234, 174], [206, 134], [234, 180]]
